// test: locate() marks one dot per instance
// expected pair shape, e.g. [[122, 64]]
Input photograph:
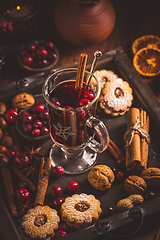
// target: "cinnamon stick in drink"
[[80, 72], [137, 146], [43, 179]]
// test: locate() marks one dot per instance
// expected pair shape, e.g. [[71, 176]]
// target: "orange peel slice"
[[147, 41], [147, 62]]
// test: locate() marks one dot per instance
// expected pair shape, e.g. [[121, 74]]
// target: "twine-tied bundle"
[[137, 128]]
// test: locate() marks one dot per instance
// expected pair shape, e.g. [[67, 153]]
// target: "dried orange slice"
[[147, 62], [148, 41]]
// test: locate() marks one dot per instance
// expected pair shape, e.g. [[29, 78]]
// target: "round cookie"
[[103, 76], [101, 177], [39, 223], [116, 97], [80, 210]]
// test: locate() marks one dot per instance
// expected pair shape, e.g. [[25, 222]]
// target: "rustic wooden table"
[[133, 19]]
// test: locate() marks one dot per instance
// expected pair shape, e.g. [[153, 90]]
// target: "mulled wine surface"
[[68, 125]]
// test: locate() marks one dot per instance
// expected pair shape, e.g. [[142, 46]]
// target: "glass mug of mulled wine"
[[73, 126]]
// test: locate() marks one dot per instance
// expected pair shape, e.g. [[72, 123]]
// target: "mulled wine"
[[68, 126]]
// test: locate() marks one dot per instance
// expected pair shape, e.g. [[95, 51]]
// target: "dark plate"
[[38, 69], [38, 99], [117, 61]]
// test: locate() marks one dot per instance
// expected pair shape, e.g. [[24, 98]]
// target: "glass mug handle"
[[102, 134]]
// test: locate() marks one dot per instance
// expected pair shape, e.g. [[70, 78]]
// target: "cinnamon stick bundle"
[[80, 72], [7, 181], [18, 172], [137, 146], [43, 179]]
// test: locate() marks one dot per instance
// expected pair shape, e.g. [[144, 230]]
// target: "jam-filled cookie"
[[116, 97], [80, 210], [39, 223], [103, 76]]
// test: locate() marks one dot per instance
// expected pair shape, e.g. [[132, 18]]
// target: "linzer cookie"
[[39, 223], [135, 185], [151, 176], [116, 97], [137, 140], [80, 210]]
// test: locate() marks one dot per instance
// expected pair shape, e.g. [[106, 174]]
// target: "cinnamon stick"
[[114, 150], [18, 172], [80, 72], [43, 179], [7, 181], [137, 151], [14, 136]]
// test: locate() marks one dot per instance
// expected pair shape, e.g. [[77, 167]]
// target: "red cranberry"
[[84, 101], [43, 62], [57, 171], [120, 176], [57, 202], [114, 169], [149, 195], [27, 128], [27, 59], [31, 47], [37, 108], [44, 130], [22, 194], [49, 44], [41, 51], [22, 184], [89, 95], [109, 210], [60, 233], [56, 191], [44, 115], [36, 132], [56, 102], [52, 55], [11, 116], [63, 226], [6, 133], [120, 161], [27, 119], [22, 114], [21, 160], [10, 153], [72, 186], [37, 124]]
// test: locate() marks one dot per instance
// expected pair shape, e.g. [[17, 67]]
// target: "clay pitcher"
[[84, 22]]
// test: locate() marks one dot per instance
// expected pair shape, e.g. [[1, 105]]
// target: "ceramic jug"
[[84, 22]]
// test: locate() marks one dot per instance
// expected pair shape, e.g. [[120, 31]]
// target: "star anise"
[[24, 206], [33, 153], [30, 171]]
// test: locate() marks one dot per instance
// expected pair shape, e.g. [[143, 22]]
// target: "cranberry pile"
[[35, 122], [37, 54]]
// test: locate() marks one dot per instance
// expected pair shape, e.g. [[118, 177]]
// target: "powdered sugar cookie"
[[116, 97], [103, 76], [80, 210]]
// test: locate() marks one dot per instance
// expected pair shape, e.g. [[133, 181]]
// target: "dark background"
[[133, 20]]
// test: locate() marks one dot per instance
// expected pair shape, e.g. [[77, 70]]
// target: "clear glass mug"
[[73, 129]]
